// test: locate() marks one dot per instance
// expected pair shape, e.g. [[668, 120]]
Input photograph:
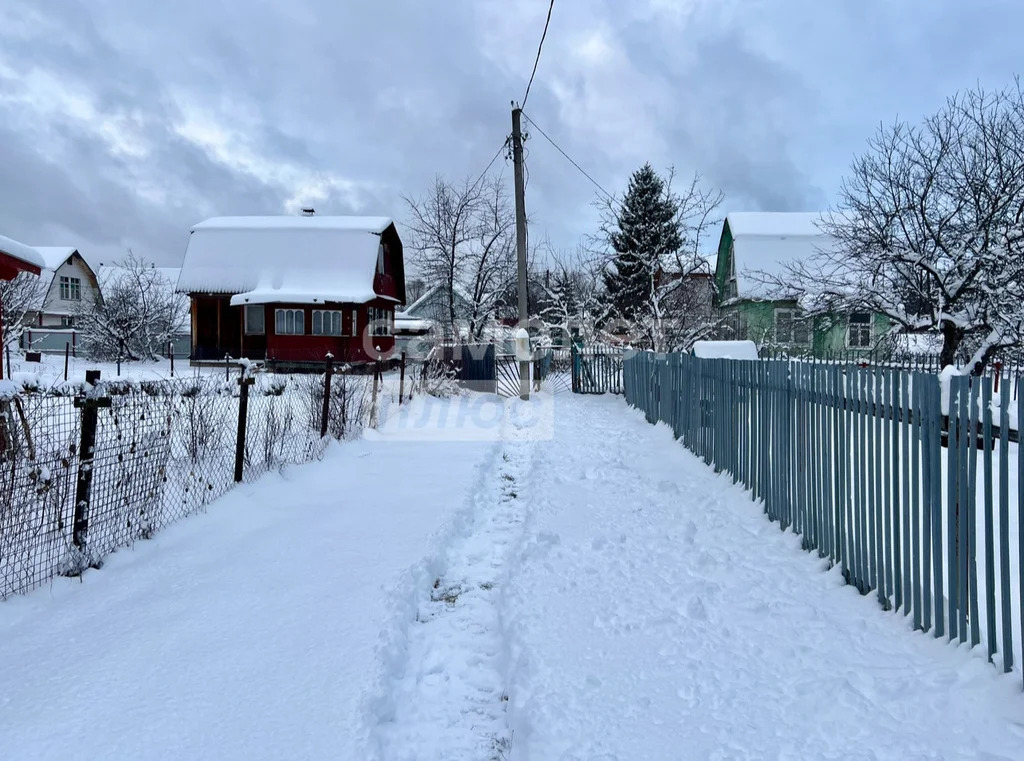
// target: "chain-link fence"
[[97, 467]]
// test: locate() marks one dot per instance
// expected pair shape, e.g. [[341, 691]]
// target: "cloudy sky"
[[123, 122]]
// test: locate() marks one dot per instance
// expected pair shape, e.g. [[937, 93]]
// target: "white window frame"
[[326, 322], [355, 323], [298, 317], [70, 288], [67, 321], [860, 325], [259, 309], [380, 322], [795, 316]]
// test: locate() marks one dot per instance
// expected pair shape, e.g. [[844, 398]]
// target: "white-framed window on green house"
[[326, 322], [70, 288], [289, 322], [858, 331], [255, 320], [791, 327]]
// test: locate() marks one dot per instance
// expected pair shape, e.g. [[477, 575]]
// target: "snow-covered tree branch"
[[136, 316], [19, 296], [930, 228]]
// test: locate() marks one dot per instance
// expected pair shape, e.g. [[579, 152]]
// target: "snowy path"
[[445, 697], [658, 615]]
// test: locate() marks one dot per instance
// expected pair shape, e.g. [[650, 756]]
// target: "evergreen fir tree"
[[644, 233]]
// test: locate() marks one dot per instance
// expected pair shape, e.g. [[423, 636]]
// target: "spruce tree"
[[645, 231]]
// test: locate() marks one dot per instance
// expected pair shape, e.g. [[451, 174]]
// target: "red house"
[[15, 258], [291, 289]]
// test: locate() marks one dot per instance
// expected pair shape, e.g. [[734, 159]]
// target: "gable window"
[[791, 327], [326, 322], [382, 251], [858, 332], [255, 320], [70, 288], [289, 322]]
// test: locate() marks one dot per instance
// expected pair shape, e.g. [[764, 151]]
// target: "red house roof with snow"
[[17, 257]]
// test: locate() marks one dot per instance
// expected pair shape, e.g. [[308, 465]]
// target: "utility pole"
[[517, 160]]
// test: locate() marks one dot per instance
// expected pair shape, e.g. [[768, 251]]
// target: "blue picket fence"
[[915, 491]]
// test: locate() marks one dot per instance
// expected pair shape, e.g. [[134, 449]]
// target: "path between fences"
[[587, 591]]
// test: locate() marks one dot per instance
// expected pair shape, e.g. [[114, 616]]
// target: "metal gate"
[[597, 370]]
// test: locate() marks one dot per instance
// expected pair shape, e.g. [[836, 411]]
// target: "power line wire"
[[540, 47], [569, 158]]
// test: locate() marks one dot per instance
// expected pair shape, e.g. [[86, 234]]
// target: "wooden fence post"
[[170, 355], [243, 414], [67, 352], [326, 410], [86, 454], [376, 386], [401, 380]]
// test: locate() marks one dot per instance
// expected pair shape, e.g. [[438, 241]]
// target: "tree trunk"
[[952, 337]]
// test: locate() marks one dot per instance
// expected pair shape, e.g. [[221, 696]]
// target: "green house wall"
[[756, 322]]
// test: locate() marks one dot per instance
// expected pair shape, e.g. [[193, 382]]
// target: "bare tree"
[[463, 243], [19, 297], [136, 314], [930, 228], [571, 302]]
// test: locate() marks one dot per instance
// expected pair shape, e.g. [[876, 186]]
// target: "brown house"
[[291, 289]]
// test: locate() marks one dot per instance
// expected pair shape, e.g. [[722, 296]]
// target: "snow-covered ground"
[[487, 580]]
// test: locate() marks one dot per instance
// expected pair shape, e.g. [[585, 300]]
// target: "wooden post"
[[373, 402], [86, 454], [325, 412], [243, 414], [521, 269], [170, 354], [120, 351], [227, 366], [74, 344], [401, 380], [67, 353]]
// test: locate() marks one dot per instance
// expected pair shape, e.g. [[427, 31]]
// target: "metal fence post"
[[86, 454], [243, 413], [326, 410]]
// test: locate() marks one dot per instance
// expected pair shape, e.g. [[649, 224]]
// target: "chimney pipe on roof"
[[308, 211]]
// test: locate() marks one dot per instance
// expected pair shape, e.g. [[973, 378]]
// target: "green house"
[[755, 303]]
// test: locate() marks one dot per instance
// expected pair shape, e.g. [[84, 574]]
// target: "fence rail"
[[913, 488]]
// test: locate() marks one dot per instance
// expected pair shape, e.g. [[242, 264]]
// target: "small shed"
[[292, 289], [15, 258]]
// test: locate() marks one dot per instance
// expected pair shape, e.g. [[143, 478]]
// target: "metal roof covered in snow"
[[299, 259]]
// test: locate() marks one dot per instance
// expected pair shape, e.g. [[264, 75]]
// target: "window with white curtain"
[[289, 322], [326, 322]]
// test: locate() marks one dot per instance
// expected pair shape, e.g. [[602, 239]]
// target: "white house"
[[67, 284]]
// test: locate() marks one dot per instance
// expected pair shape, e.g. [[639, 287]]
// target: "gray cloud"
[[123, 123]]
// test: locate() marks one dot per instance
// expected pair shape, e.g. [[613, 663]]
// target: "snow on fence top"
[[284, 259], [764, 242], [21, 252]]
